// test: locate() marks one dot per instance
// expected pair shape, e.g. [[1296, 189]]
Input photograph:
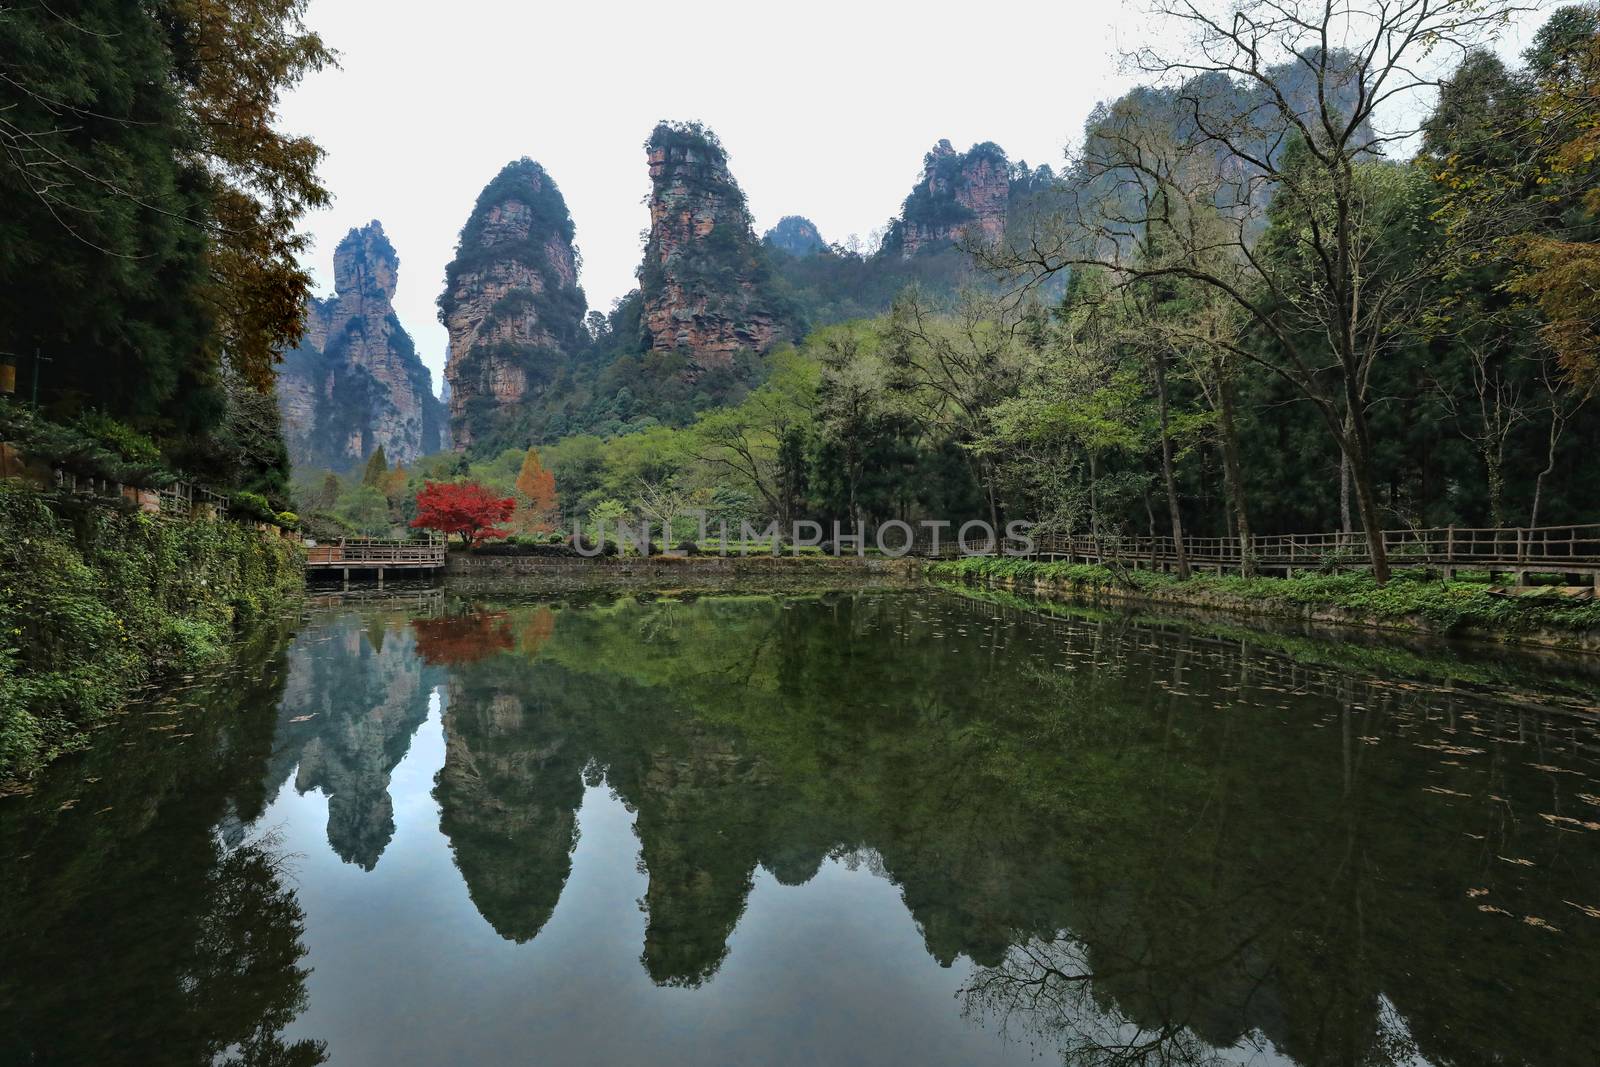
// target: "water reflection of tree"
[[454, 640], [1047, 989], [137, 927], [1215, 844]]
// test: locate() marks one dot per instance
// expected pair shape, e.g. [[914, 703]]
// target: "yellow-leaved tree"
[[538, 506]]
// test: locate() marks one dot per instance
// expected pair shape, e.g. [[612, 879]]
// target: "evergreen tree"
[[377, 467]]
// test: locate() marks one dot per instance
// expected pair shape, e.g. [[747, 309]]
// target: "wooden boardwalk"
[[1513, 551], [1516, 552], [365, 555]]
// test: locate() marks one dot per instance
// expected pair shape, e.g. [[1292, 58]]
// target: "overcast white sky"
[[825, 108]]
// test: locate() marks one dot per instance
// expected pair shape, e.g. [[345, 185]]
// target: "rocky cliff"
[[961, 194], [355, 382], [704, 279], [512, 306]]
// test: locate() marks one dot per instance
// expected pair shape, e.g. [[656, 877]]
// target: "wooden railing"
[[1570, 549], [180, 499], [374, 552]]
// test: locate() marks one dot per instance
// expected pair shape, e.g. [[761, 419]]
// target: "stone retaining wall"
[[684, 571]]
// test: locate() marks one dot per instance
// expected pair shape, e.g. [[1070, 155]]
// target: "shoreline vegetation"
[[98, 601], [1409, 602]]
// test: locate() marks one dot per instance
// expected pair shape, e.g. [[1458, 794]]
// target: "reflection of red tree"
[[534, 631], [456, 639]]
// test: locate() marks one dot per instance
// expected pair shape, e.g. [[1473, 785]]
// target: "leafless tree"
[[1564, 398]]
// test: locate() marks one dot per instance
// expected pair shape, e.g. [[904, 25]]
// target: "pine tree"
[[377, 468]]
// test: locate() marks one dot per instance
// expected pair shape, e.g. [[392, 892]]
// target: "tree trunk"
[[1233, 474], [1345, 525], [1494, 462], [1166, 467], [1094, 496], [1549, 466], [1358, 450]]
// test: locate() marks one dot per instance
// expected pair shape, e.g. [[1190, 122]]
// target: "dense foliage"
[[142, 172], [94, 601]]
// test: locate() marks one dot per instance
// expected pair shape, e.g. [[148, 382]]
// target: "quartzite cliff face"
[[511, 304], [354, 383], [703, 278], [960, 195]]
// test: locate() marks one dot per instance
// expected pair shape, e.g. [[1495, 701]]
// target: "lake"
[[873, 827]]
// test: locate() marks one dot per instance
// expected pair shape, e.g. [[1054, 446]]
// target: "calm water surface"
[[870, 828]]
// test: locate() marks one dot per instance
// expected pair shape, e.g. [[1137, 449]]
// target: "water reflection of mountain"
[[357, 692], [1192, 845]]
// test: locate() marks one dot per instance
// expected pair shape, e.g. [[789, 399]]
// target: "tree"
[[466, 509], [143, 172], [1518, 162], [1080, 402], [233, 59], [377, 467], [951, 369], [538, 507], [364, 509], [1266, 110], [754, 442], [325, 495], [1560, 265]]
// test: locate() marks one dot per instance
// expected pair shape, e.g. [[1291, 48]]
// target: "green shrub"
[[95, 603], [95, 446], [1409, 595], [252, 505], [119, 438]]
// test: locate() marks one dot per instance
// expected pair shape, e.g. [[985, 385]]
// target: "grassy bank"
[[94, 602], [1411, 601]]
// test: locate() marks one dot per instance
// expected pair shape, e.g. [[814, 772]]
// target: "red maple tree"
[[463, 508]]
